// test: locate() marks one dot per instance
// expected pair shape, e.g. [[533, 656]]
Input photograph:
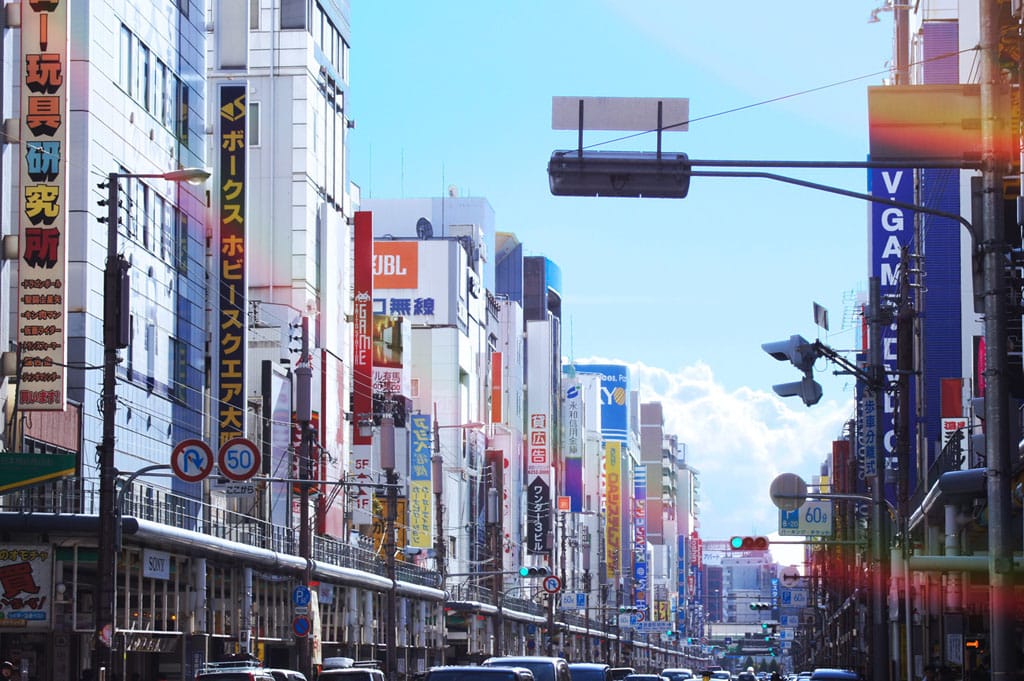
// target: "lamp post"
[[115, 337]]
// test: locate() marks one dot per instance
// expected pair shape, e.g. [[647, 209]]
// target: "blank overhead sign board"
[[620, 113]]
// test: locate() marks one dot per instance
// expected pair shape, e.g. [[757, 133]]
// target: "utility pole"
[[997, 408], [387, 462], [880, 547], [114, 274], [303, 415]]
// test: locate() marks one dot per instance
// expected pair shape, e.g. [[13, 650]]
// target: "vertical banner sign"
[[25, 573], [891, 229], [497, 388], [362, 361], [42, 218], [538, 499], [613, 509], [420, 486], [572, 425], [640, 536], [681, 544], [231, 394]]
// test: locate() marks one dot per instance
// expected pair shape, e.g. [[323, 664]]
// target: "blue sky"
[[459, 93]]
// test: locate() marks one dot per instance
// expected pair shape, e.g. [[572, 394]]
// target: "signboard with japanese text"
[[43, 206], [392, 373], [362, 364], [420, 484], [231, 265], [640, 536], [26, 586], [812, 519], [572, 441], [613, 506], [541, 425]]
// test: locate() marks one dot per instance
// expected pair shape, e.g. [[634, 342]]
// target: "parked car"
[[286, 675], [677, 674], [590, 671], [644, 677], [351, 674], [478, 673], [830, 674], [239, 669], [619, 673], [543, 668]]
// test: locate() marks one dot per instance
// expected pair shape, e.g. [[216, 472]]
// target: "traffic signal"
[[749, 543], [623, 609], [619, 173], [802, 355], [530, 571], [760, 606]]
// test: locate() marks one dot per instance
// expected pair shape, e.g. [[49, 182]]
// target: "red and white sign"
[[238, 459], [192, 460], [552, 584]]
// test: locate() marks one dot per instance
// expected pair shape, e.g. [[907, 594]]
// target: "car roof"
[[588, 665]]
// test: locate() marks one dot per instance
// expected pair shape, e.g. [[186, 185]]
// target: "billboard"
[[231, 266], [614, 394], [43, 207], [420, 484]]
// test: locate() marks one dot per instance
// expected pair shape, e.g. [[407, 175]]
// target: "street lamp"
[[115, 337]]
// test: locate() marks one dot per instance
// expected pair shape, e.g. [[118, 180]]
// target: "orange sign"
[[564, 503], [395, 264]]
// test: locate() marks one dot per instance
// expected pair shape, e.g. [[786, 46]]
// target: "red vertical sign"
[[362, 341]]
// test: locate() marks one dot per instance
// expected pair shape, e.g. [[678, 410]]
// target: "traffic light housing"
[[623, 609], [760, 606], [748, 543], [619, 173], [533, 571], [802, 355]]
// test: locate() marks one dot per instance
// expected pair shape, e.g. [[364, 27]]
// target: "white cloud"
[[738, 441]]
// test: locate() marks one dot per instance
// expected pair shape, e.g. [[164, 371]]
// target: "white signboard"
[[156, 564], [813, 519], [659, 627], [793, 598]]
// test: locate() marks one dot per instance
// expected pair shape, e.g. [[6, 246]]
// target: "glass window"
[[160, 226], [179, 371], [253, 132], [159, 91], [254, 15], [181, 241], [173, 95], [293, 13], [183, 105], [124, 72], [142, 77], [145, 211]]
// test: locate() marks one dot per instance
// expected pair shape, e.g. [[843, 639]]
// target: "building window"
[[254, 125], [124, 72], [181, 242], [254, 15], [160, 91], [183, 105], [142, 91], [179, 369]]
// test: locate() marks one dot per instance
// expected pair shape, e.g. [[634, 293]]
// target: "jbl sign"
[[395, 264]]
